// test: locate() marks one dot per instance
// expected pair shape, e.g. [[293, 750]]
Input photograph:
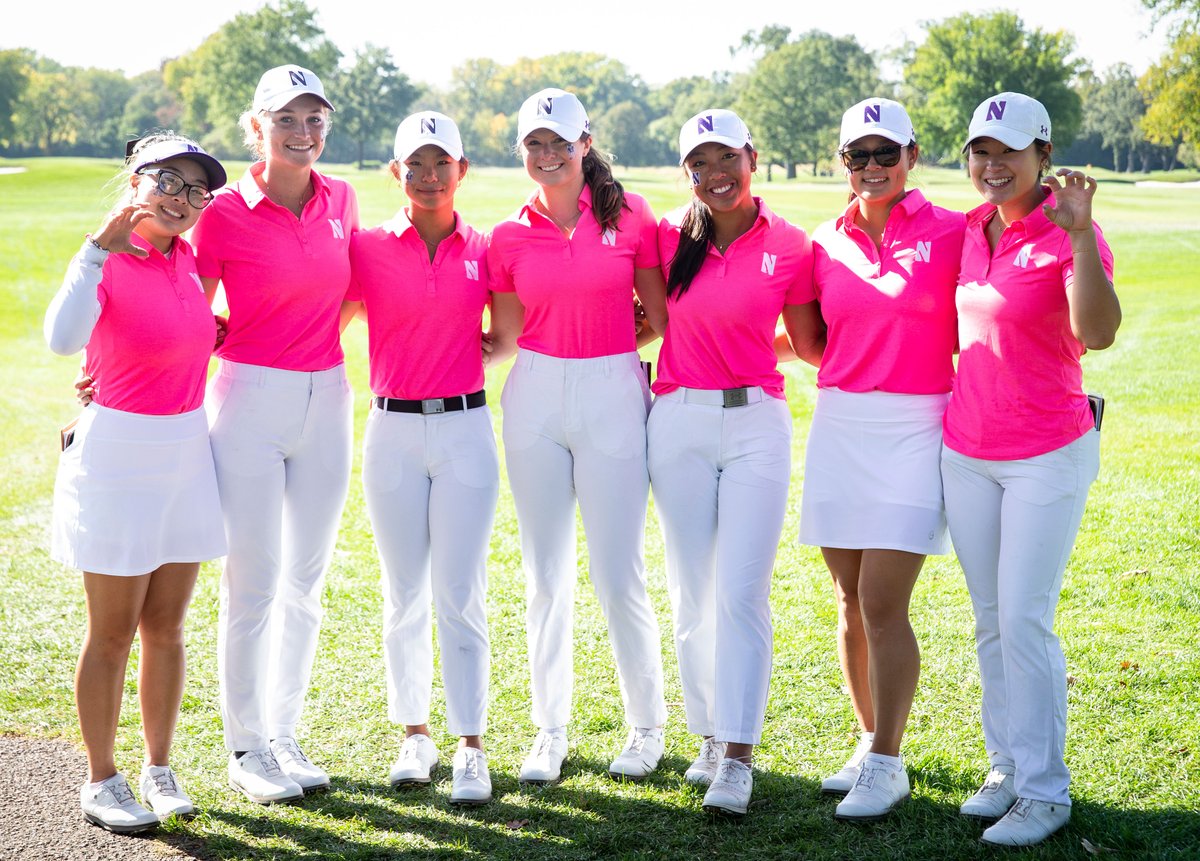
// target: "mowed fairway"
[[1128, 618]]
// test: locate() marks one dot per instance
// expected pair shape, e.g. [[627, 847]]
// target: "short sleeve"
[[802, 291]]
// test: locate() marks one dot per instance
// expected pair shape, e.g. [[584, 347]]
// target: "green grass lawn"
[[1128, 618]]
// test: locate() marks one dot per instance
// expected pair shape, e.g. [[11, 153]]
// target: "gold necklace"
[[563, 227]]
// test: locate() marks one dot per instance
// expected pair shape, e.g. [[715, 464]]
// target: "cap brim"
[[564, 131], [727, 140], [894, 137], [402, 154], [1009, 137], [214, 173], [284, 99]]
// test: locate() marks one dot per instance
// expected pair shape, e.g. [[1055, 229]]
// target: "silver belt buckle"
[[432, 406], [734, 398]]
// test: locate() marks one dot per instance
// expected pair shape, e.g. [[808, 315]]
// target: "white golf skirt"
[[134, 492], [872, 475]]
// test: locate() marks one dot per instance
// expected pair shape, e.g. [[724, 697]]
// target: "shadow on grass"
[[588, 817]]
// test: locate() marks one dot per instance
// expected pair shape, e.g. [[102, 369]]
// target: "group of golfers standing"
[[157, 475]]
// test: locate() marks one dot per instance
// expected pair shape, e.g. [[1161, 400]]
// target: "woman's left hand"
[[1073, 199]]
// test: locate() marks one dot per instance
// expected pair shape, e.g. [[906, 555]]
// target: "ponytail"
[[695, 235], [608, 195]]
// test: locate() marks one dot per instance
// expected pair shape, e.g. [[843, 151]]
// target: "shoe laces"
[[1021, 810], [994, 782], [637, 740], [121, 792], [165, 781], [471, 766], [866, 777], [543, 744], [732, 772], [710, 751], [410, 749], [268, 762], [291, 748]]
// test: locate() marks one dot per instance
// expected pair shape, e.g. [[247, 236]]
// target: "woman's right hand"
[[84, 391], [115, 232]]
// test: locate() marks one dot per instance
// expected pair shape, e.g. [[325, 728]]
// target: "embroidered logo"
[[924, 251], [472, 267], [1023, 256], [608, 237], [871, 113], [297, 78], [428, 126], [996, 110], [336, 224], [704, 124], [545, 107], [768, 263]]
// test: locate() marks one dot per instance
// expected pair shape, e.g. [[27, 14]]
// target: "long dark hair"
[[608, 195], [695, 235]]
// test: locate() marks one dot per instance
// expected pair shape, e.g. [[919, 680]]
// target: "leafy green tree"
[[151, 106], [372, 97], [967, 58], [1113, 110], [15, 66], [675, 102], [1172, 88], [794, 97], [98, 101], [770, 38], [216, 82], [44, 120], [622, 130]]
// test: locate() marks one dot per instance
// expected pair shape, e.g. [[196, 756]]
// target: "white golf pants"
[[281, 443], [431, 483], [720, 477], [1013, 524], [576, 429]]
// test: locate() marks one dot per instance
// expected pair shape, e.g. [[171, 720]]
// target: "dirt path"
[[39, 810]]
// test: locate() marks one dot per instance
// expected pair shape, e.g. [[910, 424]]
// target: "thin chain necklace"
[[564, 227]]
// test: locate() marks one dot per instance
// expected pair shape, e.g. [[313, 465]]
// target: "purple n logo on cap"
[[297, 78], [996, 111], [704, 124], [545, 106], [428, 126], [871, 113], [193, 148]]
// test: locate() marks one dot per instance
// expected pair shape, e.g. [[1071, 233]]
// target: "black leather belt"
[[433, 406]]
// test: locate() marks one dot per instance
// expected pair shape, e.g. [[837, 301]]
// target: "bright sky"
[[658, 41]]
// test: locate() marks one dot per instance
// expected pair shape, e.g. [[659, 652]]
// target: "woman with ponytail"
[[569, 263], [720, 439]]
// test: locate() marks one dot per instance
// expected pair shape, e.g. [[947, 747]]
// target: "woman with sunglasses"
[[1022, 445], [431, 474], [278, 242], [720, 440], [885, 275], [569, 262], [135, 499]]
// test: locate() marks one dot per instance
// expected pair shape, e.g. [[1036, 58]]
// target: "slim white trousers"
[[431, 484], [1013, 524], [575, 429], [281, 443], [720, 478]]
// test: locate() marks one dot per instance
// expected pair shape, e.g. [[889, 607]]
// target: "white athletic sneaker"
[[471, 783], [544, 761], [297, 766], [729, 792], [704, 768], [1028, 822], [418, 756], [882, 786], [162, 793], [643, 750], [257, 775], [843, 781], [110, 804], [994, 798]]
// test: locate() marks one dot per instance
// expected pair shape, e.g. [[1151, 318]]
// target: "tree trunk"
[[360, 154], [791, 170]]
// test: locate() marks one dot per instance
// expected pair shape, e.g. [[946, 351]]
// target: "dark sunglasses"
[[885, 156], [172, 184]]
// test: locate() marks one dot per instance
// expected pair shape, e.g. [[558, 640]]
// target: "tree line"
[[792, 97]]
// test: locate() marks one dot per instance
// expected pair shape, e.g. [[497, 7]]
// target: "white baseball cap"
[[1014, 119], [280, 85], [428, 127], [178, 147], [714, 125], [876, 116], [556, 110]]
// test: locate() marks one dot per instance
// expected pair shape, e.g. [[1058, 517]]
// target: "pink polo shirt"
[[890, 310], [148, 351], [1019, 390], [423, 317], [284, 277], [721, 333], [577, 292]]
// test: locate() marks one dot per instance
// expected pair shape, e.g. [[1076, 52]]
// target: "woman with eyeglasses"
[[720, 440], [885, 275], [430, 468], [278, 242], [569, 262], [135, 499], [1022, 445]]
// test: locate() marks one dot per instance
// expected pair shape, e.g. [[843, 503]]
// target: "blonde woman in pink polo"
[[720, 440], [278, 242], [135, 499], [430, 468], [885, 275], [1022, 445], [575, 404]]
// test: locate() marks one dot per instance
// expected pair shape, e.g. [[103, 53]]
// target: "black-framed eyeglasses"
[[885, 156], [171, 184]]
